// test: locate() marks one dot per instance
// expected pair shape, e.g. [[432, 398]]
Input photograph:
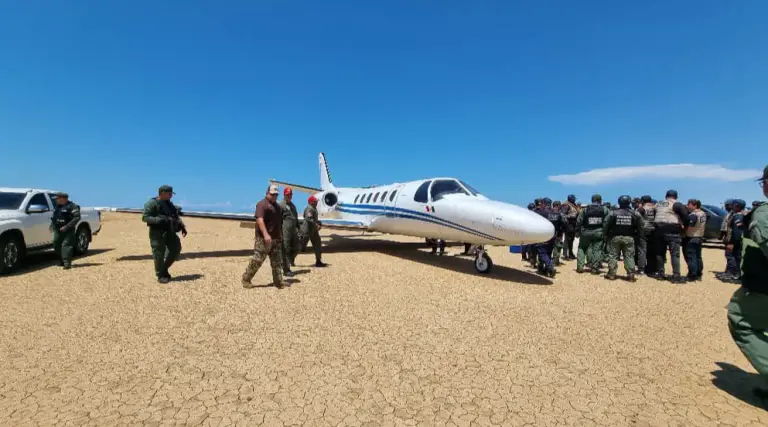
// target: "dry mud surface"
[[386, 335]]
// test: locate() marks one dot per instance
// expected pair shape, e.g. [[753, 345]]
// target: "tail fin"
[[325, 175]]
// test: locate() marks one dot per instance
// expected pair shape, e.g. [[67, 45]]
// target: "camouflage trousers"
[[558, 251], [621, 245], [590, 251], [260, 253], [64, 245]]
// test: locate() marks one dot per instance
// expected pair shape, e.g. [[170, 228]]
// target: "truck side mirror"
[[37, 209]]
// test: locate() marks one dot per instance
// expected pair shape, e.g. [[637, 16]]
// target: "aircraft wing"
[[297, 187], [247, 220]]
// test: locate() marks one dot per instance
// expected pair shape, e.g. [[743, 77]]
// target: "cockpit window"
[[470, 188], [422, 192], [443, 187]]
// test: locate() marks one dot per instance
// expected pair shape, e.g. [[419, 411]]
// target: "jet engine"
[[327, 200]]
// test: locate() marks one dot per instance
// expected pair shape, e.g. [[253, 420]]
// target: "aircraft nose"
[[521, 226]]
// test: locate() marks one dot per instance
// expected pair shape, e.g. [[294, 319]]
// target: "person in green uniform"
[[162, 218], [558, 248], [621, 228], [64, 225], [748, 308], [310, 230], [290, 231], [590, 224]]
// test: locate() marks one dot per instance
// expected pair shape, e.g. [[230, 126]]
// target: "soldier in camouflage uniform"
[[558, 245], [620, 229], [290, 231], [590, 223], [310, 231], [570, 211], [162, 218], [63, 222], [268, 241]]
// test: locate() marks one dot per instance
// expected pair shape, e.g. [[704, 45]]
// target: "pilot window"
[[392, 196], [384, 197], [444, 187], [39, 199], [470, 188], [421, 193], [368, 199], [376, 197], [356, 197]]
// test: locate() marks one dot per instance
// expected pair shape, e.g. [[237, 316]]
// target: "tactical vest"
[[624, 223], [593, 217], [63, 214], [665, 214], [697, 230], [650, 214], [556, 219]]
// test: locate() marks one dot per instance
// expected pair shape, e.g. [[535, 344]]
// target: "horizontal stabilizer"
[[296, 187]]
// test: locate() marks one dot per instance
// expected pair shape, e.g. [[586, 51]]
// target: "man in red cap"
[[310, 230], [290, 231]]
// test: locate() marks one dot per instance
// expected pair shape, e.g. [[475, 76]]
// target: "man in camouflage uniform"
[[268, 241], [310, 230], [621, 227], [646, 256], [570, 211], [590, 223], [162, 218], [63, 224], [290, 231], [558, 245], [748, 308]]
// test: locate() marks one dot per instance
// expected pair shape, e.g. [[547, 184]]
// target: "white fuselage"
[[438, 208]]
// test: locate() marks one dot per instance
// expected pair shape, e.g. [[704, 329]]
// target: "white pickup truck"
[[25, 218]]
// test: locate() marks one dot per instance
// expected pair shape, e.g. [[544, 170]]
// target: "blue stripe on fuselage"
[[410, 214]]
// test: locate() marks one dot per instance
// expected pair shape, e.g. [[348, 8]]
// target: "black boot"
[[319, 263]]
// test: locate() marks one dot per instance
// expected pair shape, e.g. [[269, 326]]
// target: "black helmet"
[[546, 201], [531, 206], [671, 193], [536, 201], [596, 198], [740, 203], [624, 201], [572, 198], [646, 199], [556, 203]]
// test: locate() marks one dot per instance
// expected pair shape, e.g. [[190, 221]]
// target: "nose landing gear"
[[483, 263]]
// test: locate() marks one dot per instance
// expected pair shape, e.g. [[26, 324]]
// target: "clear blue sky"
[[110, 99]]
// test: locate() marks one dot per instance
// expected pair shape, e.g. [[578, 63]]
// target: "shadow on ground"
[[411, 251], [187, 278], [41, 260], [739, 383]]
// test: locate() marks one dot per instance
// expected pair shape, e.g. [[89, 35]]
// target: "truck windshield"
[[11, 201]]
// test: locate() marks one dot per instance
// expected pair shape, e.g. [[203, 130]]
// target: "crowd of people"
[[642, 231]]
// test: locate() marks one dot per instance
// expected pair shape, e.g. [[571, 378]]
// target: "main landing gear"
[[483, 263]]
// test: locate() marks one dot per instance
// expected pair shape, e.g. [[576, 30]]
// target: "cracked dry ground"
[[386, 335]]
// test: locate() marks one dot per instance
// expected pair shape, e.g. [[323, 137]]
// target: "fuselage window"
[[356, 197], [368, 199], [384, 197], [376, 197], [421, 193], [392, 196], [444, 187]]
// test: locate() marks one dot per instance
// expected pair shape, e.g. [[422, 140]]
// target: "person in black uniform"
[[544, 250]]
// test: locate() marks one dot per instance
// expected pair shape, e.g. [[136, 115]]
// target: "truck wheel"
[[82, 240], [11, 250]]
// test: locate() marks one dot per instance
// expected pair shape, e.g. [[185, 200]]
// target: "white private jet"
[[434, 208]]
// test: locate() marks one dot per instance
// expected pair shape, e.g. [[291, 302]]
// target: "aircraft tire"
[[483, 264]]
